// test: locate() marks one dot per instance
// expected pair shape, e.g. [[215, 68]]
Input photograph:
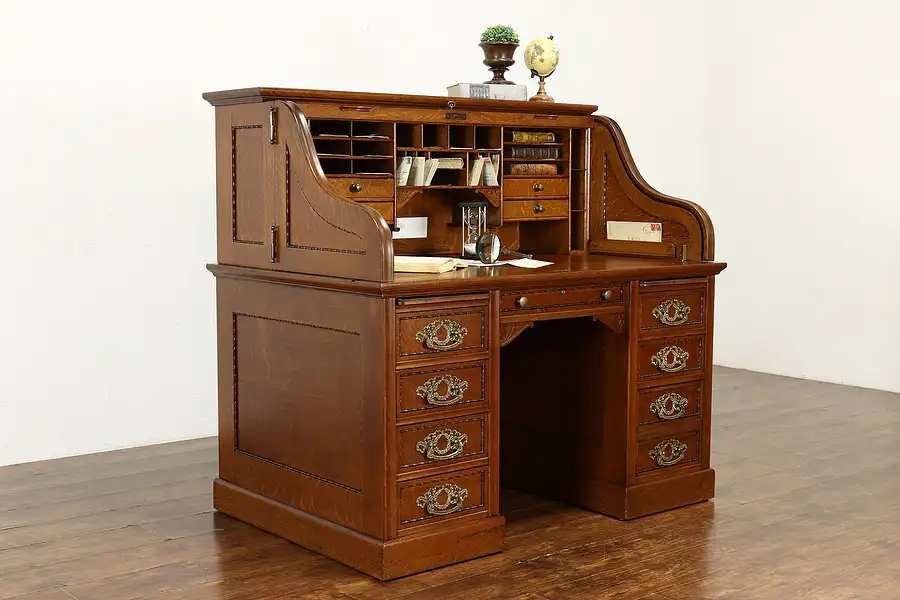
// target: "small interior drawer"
[[535, 210], [671, 356], [578, 297], [442, 443], [535, 187], [671, 403], [385, 209], [433, 389], [355, 188], [664, 311], [442, 497], [442, 332], [668, 452]]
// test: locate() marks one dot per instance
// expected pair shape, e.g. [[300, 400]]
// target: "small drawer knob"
[[538, 187], [355, 187], [522, 302], [539, 208], [607, 295]]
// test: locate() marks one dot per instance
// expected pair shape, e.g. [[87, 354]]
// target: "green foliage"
[[500, 33]]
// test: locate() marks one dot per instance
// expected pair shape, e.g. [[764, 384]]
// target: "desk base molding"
[[384, 560]]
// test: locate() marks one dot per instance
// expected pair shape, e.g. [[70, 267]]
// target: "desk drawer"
[[386, 209], [441, 332], [669, 311], [537, 187], [361, 188], [443, 443], [430, 389], [443, 497], [672, 403], [673, 451], [535, 210], [575, 297], [670, 357]]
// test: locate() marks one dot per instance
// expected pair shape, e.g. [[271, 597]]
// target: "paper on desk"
[[530, 263], [527, 263]]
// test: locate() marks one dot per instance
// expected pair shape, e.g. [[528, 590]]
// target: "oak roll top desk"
[[372, 416]]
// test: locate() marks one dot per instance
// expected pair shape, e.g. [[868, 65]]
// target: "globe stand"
[[541, 95]]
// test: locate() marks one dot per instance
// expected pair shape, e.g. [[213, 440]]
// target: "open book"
[[442, 264]]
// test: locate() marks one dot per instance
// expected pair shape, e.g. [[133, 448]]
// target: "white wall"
[[107, 176], [802, 183]]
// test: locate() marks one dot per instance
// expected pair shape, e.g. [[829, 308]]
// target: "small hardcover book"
[[403, 170], [534, 137]]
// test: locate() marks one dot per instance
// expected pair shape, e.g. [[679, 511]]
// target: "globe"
[[542, 56]]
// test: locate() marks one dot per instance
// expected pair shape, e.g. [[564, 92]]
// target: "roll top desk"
[[372, 416]]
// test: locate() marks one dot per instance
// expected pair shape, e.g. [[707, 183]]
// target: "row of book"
[[420, 171]]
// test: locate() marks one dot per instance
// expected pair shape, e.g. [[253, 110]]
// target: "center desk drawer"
[[360, 188], [443, 443], [535, 187], [573, 297], [441, 332], [670, 357]]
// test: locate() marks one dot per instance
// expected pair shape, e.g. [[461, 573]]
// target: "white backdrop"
[[107, 176]]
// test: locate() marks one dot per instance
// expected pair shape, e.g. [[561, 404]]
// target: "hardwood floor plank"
[[52, 594]]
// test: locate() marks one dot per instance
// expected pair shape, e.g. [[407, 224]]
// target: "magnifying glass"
[[488, 248]]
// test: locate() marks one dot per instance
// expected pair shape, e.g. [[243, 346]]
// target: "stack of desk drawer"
[[443, 399], [672, 378], [535, 199]]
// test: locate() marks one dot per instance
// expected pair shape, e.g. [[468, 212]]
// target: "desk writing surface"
[[570, 268]]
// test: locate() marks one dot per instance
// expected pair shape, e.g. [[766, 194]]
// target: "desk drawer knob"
[[522, 302], [538, 187], [430, 390], [355, 187], [671, 359], [430, 335], [607, 295], [668, 453], [454, 442], [539, 208], [454, 497], [669, 406], [672, 312]]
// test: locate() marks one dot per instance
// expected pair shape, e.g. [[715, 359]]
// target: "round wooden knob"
[[607, 295], [522, 302], [538, 208], [538, 187], [355, 187]]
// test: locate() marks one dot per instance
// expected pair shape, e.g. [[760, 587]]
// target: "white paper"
[[634, 231], [411, 227], [530, 263]]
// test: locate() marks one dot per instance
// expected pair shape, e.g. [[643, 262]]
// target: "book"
[[451, 163], [495, 161], [424, 264], [431, 167], [490, 175], [476, 172], [403, 170], [534, 137], [488, 91], [532, 169], [534, 152], [417, 173]]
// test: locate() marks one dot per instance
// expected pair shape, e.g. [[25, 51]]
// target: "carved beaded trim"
[[431, 445], [678, 355], [454, 335], [666, 316], [668, 453], [455, 496], [660, 406], [429, 391]]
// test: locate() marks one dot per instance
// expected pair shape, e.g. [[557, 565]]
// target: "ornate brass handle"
[[456, 387], [679, 357], [430, 446], [453, 501], [454, 334], [678, 317], [668, 453], [660, 406], [539, 208], [538, 187], [355, 187]]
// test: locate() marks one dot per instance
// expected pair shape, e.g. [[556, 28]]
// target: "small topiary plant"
[[499, 33]]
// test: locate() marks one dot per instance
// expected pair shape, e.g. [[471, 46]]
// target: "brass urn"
[[498, 56]]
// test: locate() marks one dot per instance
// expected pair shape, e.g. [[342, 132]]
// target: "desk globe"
[[542, 57]]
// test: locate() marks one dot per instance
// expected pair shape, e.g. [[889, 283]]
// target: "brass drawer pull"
[[456, 387], [607, 295], [454, 498], [660, 406], [454, 334], [668, 453], [522, 301], [679, 357], [666, 317], [355, 187], [539, 208], [430, 446], [538, 187]]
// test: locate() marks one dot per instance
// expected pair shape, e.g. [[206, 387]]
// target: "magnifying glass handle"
[[514, 253]]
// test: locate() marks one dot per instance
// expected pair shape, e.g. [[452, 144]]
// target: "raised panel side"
[[248, 184]]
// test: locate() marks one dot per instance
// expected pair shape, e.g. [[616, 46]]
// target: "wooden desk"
[[373, 416]]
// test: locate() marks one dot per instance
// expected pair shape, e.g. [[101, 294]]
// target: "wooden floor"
[[807, 506]]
